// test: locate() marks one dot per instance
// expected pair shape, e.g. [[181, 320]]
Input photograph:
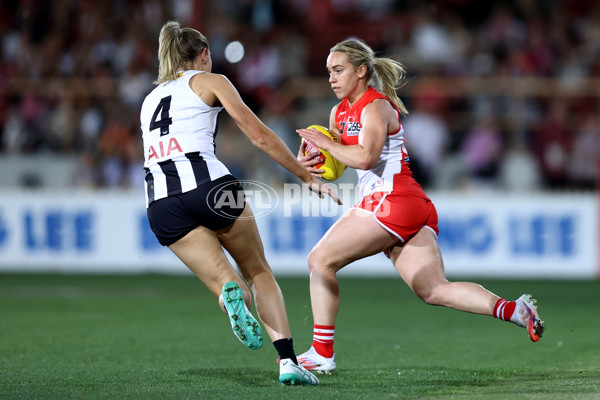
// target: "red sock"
[[504, 309], [323, 340]]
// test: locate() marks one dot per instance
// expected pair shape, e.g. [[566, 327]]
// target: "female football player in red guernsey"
[[394, 216]]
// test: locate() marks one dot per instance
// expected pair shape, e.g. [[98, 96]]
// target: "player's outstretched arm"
[[259, 134]]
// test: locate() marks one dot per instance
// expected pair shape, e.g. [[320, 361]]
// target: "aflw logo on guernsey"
[[262, 199]]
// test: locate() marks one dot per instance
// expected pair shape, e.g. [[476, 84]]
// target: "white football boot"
[[526, 315], [314, 362], [292, 374]]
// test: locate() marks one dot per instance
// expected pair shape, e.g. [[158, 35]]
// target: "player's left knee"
[[317, 260], [321, 262]]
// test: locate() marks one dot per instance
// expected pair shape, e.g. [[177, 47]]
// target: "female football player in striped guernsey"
[[394, 216], [184, 182]]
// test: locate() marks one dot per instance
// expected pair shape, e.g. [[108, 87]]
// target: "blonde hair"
[[176, 46], [383, 73]]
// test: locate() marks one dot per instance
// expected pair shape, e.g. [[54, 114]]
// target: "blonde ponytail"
[[390, 74], [177, 46]]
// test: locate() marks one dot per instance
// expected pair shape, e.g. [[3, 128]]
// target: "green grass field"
[[163, 337]]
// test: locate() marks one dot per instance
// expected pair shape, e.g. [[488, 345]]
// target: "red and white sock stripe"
[[323, 340], [504, 309], [323, 333]]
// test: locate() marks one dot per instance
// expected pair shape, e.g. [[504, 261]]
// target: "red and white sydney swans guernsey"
[[391, 173], [178, 131]]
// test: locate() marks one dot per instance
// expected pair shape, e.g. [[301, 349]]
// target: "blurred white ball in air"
[[234, 52]]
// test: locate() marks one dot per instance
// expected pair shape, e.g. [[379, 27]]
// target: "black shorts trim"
[[214, 205]]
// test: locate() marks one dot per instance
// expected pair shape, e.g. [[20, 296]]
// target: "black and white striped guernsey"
[[178, 131]]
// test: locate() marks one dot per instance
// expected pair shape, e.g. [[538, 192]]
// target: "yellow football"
[[332, 167]]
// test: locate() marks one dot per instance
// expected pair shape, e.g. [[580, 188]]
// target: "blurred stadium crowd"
[[502, 95]]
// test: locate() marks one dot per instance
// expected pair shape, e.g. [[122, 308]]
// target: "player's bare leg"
[[201, 251], [242, 241], [419, 262], [335, 250]]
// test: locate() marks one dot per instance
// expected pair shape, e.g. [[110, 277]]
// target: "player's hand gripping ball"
[[332, 167]]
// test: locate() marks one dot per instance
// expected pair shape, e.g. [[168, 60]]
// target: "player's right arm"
[[261, 136], [374, 122]]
